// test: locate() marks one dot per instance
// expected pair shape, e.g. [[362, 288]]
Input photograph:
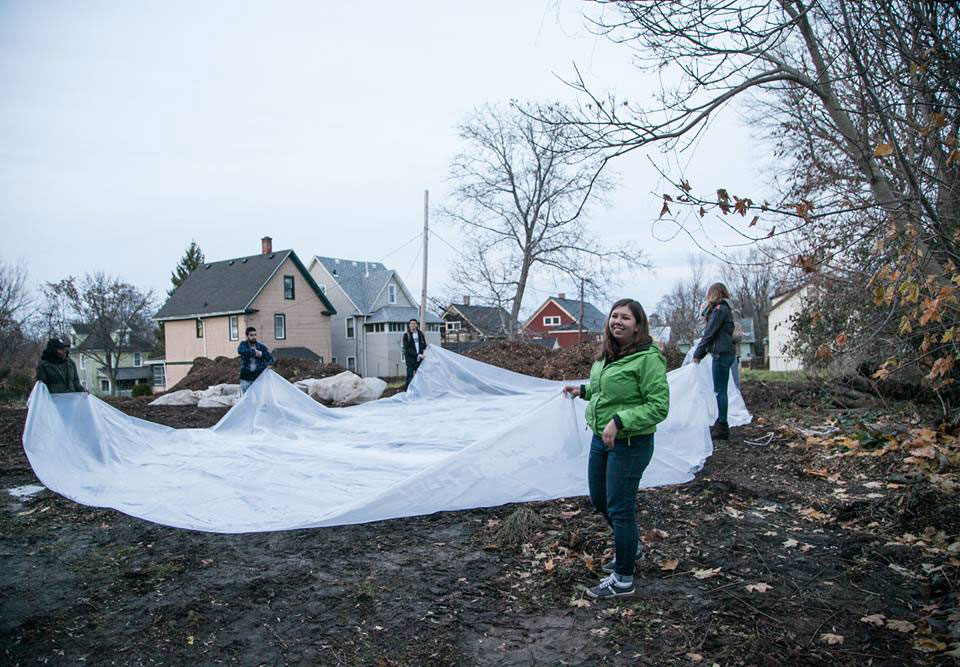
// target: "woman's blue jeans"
[[722, 364], [614, 476]]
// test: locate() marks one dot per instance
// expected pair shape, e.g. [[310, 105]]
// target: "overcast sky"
[[128, 128]]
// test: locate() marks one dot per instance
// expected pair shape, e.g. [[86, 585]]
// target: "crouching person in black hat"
[[57, 370]]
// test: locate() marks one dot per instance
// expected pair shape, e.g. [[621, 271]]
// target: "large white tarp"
[[466, 435]]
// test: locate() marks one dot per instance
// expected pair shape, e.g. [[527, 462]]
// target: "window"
[[352, 364], [453, 326], [392, 293], [397, 327], [279, 326], [137, 359], [374, 328], [551, 320], [159, 376], [199, 328], [288, 287], [234, 327], [83, 362], [333, 360], [105, 386], [350, 325], [434, 326]]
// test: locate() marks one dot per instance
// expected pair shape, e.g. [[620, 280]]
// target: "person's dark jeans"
[[614, 476], [411, 370], [722, 364]]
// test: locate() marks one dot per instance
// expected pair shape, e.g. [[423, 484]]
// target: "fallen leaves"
[[707, 573], [901, 626], [669, 565], [759, 587], [790, 543], [874, 619], [830, 638]]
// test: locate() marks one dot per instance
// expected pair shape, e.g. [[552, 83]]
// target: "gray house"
[[373, 308]]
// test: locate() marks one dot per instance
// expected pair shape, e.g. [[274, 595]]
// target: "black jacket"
[[410, 351], [718, 336], [60, 375]]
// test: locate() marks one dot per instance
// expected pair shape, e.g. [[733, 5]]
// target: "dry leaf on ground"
[[831, 638], [901, 626], [874, 619], [669, 565], [706, 574], [760, 587]]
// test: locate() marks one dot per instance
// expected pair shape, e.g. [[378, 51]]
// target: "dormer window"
[[391, 294], [288, 292]]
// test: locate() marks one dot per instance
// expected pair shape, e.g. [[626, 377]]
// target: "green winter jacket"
[[633, 388], [60, 377]]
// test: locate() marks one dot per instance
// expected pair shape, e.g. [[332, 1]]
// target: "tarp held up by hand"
[[466, 435]]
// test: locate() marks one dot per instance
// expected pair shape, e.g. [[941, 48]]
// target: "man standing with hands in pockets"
[[255, 357]]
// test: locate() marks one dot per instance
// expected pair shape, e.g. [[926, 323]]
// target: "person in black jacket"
[[255, 357], [718, 341], [57, 370], [414, 344]]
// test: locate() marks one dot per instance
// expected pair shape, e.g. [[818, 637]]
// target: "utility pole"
[[580, 332], [426, 239]]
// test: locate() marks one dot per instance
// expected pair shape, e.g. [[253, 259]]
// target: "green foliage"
[[192, 258], [140, 390]]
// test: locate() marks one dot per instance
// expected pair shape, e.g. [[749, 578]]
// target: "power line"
[[393, 252]]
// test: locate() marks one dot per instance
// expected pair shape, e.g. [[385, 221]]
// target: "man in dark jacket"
[[255, 357], [57, 370], [414, 344]]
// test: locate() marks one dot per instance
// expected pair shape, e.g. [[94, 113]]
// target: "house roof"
[[138, 342], [362, 281], [661, 334], [593, 318], [230, 286], [785, 295], [488, 320], [399, 314]]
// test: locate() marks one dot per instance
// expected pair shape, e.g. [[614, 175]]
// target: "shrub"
[[142, 390]]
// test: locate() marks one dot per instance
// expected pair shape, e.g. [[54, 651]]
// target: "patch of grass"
[[762, 375], [519, 527]]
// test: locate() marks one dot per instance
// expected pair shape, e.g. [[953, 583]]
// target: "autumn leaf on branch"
[[883, 150], [755, 220]]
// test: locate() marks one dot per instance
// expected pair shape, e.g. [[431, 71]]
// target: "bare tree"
[[112, 311], [682, 308], [15, 302], [752, 279], [861, 99], [520, 203]]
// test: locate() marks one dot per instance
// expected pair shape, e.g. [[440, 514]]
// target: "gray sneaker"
[[611, 588], [609, 567]]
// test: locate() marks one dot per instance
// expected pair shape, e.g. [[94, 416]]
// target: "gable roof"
[[137, 342], [593, 318], [230, 286], [362, 281], [488, 320]]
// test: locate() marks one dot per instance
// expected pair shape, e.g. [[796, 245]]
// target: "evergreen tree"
[[192, 258]]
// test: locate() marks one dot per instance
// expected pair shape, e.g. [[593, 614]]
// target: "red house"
[[559, 318]]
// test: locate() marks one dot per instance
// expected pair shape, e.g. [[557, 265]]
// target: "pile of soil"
[[526, 358], [208, 372], [570, 363]]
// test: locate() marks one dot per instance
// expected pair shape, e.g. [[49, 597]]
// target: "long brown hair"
[[610, 349], [716, 293]]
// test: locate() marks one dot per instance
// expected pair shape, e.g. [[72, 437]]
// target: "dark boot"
[[720, 431]]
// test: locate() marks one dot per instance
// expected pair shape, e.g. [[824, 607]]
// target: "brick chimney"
[[266, 245], [562, 295], [466, 300]]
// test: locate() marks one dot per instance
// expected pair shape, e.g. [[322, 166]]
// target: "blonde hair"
[[716, 293]]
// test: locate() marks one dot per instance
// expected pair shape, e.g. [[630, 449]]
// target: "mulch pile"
[[208, 372], [571, 363]]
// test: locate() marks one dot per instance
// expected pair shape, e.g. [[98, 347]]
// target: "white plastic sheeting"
[[466, 435], [737, 413]]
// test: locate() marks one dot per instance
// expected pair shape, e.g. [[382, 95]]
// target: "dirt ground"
[[815, 536]]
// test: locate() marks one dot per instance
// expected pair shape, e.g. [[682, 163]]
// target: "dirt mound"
[[526, 358], [570, 363], [208, 372]]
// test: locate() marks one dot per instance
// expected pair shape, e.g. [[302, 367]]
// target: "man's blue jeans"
[[721, 379], [614, 476]]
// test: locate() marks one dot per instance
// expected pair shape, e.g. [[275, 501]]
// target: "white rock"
[[181, 397], [375, 388], [219, 401]]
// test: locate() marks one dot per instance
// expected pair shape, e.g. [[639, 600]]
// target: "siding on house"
[[779, 334], [340, 347], [535, 324]]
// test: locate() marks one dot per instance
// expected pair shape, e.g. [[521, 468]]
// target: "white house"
[[373, 307], [785, 305]]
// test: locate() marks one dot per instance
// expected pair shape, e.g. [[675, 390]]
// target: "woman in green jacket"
[[628, 396]]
